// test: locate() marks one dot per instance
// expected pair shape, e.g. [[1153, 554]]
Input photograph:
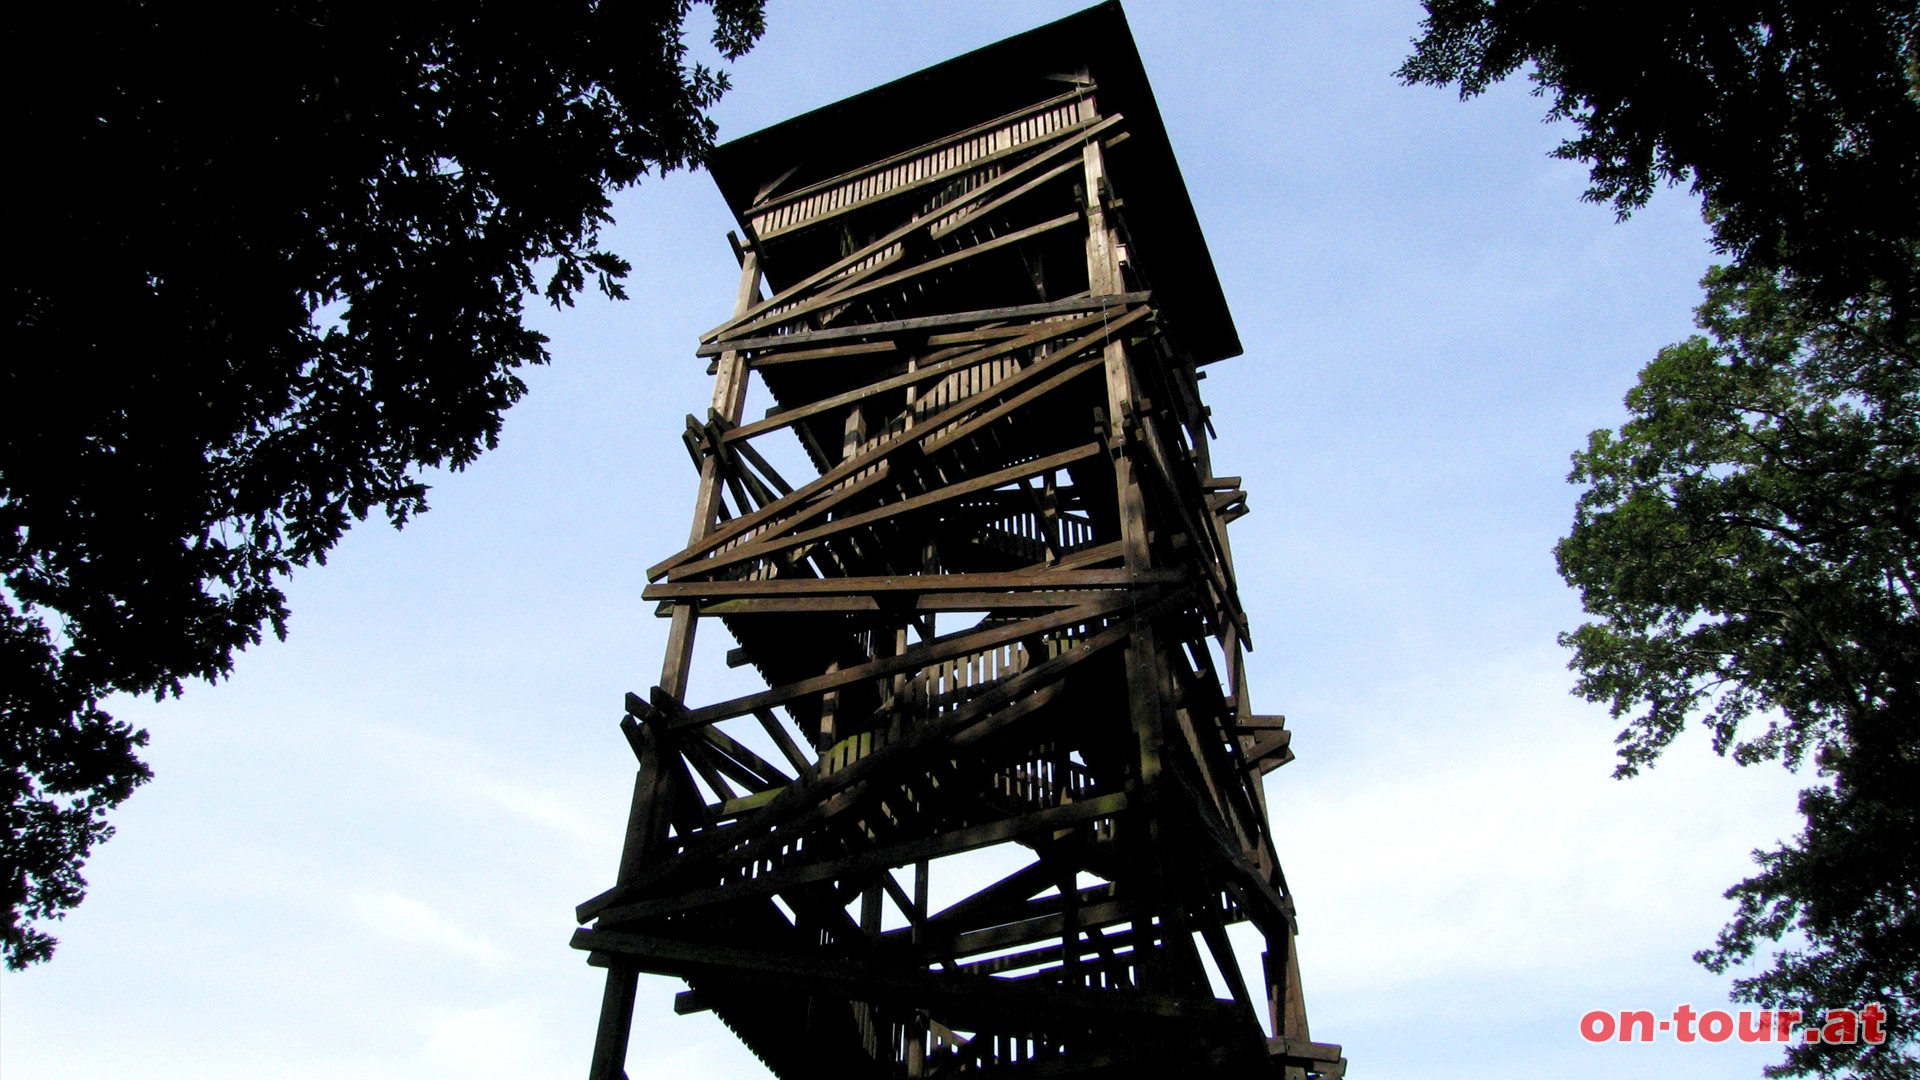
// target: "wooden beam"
[[894, 855], [798, 507], [1045, 332], [1013, 935], [806, 801], [805, 804], [1302, 1052], [616, 1023], [1100, 948], [978, 998], [945, 220], [911, 584], [801, 762], [1271, 911], [1270, 746], [869, 605], [781, 316], [944, 438], [826, 352], [764, 773], [970, 641], [764, 203], [854, 466], [1015, 888], [1034, 311], [780, 540], [1063, 137]]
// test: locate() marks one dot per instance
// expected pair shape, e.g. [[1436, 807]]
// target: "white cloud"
[[407, 919], [495, 1040], [1489, 838]]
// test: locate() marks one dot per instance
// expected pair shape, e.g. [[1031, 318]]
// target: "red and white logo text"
[[1866, 1024]]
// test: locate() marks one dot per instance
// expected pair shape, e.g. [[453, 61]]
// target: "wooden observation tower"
[[999, 623]]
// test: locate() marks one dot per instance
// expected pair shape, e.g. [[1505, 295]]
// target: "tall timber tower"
[[1000, 625]]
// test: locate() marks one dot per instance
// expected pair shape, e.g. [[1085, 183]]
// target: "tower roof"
[[1094, 44]]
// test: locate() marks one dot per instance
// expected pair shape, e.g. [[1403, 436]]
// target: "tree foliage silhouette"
[[1749, 540], [269, 261]]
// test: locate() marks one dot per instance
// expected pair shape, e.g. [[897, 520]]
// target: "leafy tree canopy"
[[1797, 120], [1750, 542], [268, 261]]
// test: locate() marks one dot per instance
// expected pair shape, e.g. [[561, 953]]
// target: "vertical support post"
[[1286, 1006], [870, 910], [830, 720], [917, 1045], [652, 787], [1242, 702], [616, 1023], [1142, 654], [729, 398]]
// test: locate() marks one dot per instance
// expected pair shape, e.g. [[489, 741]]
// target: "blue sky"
[[360, 854]]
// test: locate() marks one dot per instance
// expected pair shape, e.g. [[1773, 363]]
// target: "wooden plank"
[[998, 331], [702, 758], [927, 322], [803, 802], [722, 751], [765, 774], [974, 423], [868, 605], [762, 548], [806, 307], [877, 453], [921, 151], [1027, 931], [1273, 744], [1002, 704], [1021, 580], [1076, 957], [787, 417], [966, 999], [729, 397], [1045, 332], [1303, 1052], [805, 504], [727, 809], [1254, 893], [936, 223], [1093, 556], [949, 218], [950, 167], [1034, 701], [921, 656], [1213, 779], [801, 762], [764, 467], [1214, 933], [1214, 562], [1093, 954], [1015, 888], [1008, 902], [827, 352], [881, 858]]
